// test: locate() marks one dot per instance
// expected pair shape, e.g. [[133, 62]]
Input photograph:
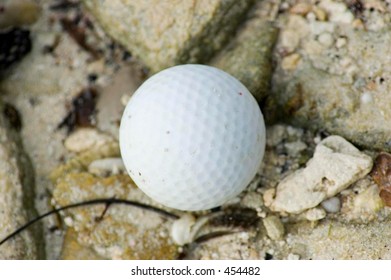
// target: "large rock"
[[335, 166], [16, 197], [337, 79], [123, 233], [165, 33]]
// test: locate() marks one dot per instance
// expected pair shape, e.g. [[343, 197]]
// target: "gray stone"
[[335, 166], [16, 197]]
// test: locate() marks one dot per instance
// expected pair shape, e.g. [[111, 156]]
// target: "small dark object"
[[268, 257], [356, 7], [86, 203], [82, 113], [381, 174], [14, 44], [13, 116], [236, 217]]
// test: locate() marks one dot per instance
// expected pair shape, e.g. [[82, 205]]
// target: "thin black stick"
[[91, 202]]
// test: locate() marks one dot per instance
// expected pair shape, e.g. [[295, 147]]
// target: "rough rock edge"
[[17, 197]]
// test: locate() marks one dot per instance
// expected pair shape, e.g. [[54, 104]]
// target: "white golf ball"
[[192, 137]]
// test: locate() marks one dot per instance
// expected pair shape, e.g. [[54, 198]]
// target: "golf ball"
[[192, 137]]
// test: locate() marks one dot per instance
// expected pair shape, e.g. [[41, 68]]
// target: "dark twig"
[[91, 202]]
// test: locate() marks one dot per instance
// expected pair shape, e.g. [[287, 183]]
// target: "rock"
[[252, 200], [335, 166], [84, 139], [84, 159], [18, 13], [274, 227], [315, 214], [16, 197], [332, 205], [196, 31], [248, 56], [103, 167], [165, 33], [332, 90], [123, 232]]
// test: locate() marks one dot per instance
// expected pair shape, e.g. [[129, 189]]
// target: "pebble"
[[84, 139], [301, 9], [332, 205], [19, 13], [268, 197], [320, 14], [107, 166], [366, 98], [293, 257], [295, 148], [338, 12], [341, 42], [315, 214], [336, 164], [252, 200], [326, 39], [274, 227]]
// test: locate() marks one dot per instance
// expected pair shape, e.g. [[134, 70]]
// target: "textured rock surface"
[[162, 35], [335, 166], [248, 56], [124, 232], [328, 87], [16, 196]]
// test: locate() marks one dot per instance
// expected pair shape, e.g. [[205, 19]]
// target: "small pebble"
[[366, 98], [293, 257], [268, 196], [84, 139], [320, 14], [301, 9], [252, 200], [326, 39], [341, 42], [332, 205], [107, 166], [274, 227], [315, 214]]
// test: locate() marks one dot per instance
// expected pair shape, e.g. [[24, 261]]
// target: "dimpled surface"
[[192, 137]]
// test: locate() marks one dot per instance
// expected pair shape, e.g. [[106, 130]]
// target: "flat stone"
[[336, 164]]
